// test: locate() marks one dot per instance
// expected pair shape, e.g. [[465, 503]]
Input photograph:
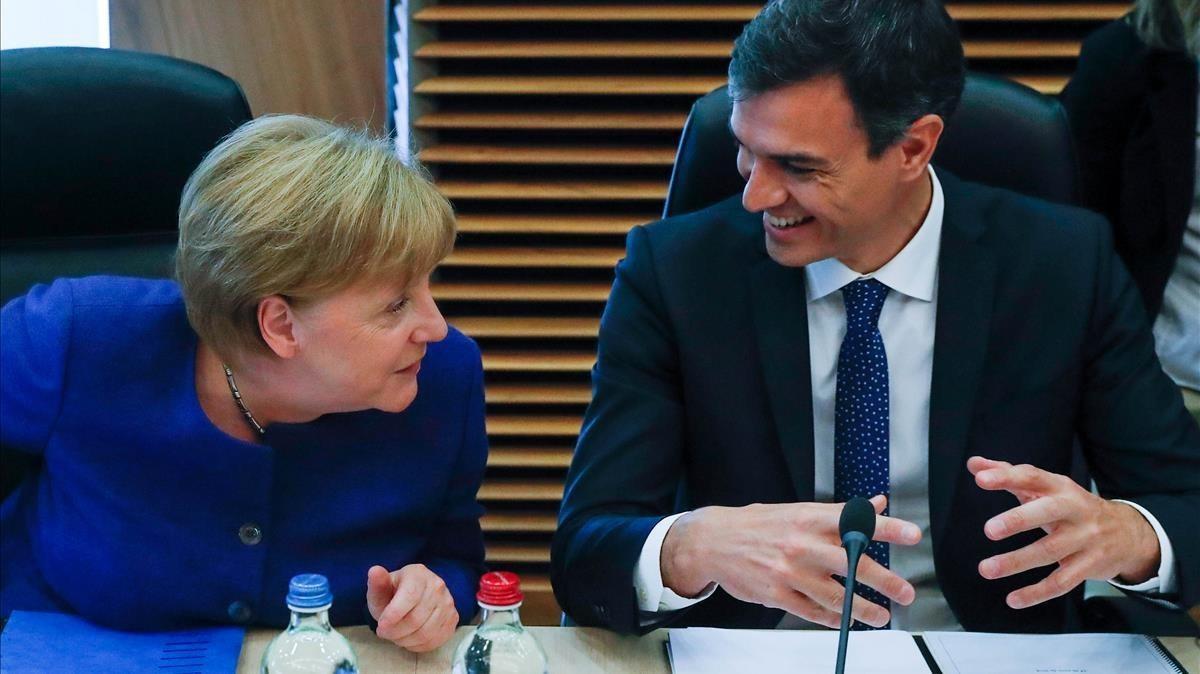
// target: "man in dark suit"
[[862, 325]]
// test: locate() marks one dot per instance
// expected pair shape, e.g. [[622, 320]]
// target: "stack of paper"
[[705, 650], [982, 653]]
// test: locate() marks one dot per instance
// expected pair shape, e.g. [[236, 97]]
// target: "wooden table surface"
[[573, 650]]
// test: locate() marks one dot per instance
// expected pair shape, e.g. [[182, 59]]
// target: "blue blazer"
[[702, 396], [142, 513]]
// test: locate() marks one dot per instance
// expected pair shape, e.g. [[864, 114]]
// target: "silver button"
[[250, 533], [240, 612]]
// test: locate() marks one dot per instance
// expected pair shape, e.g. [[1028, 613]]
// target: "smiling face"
[[361, 347], [804, 158]]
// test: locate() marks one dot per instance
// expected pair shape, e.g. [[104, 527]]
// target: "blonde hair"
[[299, 207], [1173, 25]]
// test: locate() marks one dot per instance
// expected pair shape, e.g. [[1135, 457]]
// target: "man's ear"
[[918, 144], [276, 324]]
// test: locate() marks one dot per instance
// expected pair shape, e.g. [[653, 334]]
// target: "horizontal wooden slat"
[[521, 292], [529, 457], [530, 489], [537, 394], [518, 553], [551, 224], [631, 155], [540, 522], [538, 361], [590, 121], [555, 190], [527, 326], [558, 85], [540, 256], [533, 424], [1046, 84], [604, 85], [741, 12], [1021, 49], [604, 49], [705, 49]]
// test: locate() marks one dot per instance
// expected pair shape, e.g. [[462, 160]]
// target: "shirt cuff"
[[652, 595], [1164, 581]]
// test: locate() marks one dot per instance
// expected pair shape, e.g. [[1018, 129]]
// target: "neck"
[[911, 211], [253, 383]]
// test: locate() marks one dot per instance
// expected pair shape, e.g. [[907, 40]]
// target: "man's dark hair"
[[898, 59]]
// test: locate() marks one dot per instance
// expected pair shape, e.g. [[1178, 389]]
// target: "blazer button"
[[239, 612], [250, 534]]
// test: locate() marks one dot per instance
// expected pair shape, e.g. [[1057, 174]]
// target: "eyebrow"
[[791, 158]]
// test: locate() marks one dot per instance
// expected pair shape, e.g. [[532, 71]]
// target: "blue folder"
[[52, 642]]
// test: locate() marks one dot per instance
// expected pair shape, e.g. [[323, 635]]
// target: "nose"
[[432, 326], [764, 188]]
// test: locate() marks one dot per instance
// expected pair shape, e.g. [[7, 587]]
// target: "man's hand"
[[1088, 537], [413, 607], [782, 556]]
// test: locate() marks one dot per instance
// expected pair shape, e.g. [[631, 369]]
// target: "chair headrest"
[[1003, 134], [101, 141]]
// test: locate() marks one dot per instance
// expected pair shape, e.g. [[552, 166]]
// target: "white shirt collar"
[[912, 272]]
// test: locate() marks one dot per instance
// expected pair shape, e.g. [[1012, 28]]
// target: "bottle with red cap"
[[501, 644]]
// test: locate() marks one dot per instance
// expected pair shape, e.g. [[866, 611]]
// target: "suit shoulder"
[[721, 231], [457, 353], [1020, 220]]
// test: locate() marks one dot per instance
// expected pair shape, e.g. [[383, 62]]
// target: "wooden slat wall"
[[552, 127]]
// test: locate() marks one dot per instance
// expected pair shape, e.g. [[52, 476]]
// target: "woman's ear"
[[276, 324]]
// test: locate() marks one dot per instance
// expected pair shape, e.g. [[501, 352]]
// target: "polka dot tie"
[[860, 444]]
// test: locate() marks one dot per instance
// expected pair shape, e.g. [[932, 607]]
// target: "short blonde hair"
[[299, 207]]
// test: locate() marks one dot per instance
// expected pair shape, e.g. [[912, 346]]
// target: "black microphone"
[[856, 526]]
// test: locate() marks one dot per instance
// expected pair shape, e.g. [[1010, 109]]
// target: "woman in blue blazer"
[[294, 402]]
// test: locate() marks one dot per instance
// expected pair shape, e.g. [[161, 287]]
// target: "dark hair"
[[898, 59]]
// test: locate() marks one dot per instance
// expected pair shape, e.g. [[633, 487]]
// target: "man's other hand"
[[1088, 537], [782, 556]]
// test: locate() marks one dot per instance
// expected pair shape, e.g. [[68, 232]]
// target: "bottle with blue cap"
[[309, 644]]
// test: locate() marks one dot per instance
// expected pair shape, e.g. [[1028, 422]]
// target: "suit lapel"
[[966, 283], [781, 323]]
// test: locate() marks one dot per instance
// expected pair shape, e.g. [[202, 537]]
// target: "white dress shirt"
[[908, 319]]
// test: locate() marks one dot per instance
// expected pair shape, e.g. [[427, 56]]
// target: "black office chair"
[[1003, 134], [95, 146]]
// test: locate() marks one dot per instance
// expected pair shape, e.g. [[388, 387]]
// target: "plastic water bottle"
[[500, 645], [309, 645]]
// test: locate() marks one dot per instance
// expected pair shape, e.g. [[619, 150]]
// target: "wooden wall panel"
[[318, 57]]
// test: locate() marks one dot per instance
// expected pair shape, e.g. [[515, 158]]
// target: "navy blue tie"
[[860, 445]]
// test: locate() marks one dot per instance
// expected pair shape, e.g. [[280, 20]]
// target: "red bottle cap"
[[500, 589]]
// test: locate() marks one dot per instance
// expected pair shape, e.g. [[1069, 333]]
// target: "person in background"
[[293, 402], [1132, 105]]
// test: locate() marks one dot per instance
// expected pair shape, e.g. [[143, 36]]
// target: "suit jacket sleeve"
[[34, 334], [455, 552], [1101, 101], [629, 459], [1141, 443]]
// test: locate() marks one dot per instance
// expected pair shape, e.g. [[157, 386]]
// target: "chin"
[[792, 256], [398, 401]]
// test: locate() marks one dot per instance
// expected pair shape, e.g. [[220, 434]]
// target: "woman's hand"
[[413, 607]]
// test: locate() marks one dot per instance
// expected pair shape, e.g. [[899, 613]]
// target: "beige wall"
[[319, 57]]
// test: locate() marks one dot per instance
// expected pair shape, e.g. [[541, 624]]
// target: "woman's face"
[[362, 347]]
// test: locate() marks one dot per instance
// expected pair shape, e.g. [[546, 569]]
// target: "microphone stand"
[[855, 543]]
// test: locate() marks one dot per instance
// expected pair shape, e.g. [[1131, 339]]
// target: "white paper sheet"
[[708, 650], [985, 653]]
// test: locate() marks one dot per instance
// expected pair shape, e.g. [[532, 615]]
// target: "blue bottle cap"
[[309, 592]]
